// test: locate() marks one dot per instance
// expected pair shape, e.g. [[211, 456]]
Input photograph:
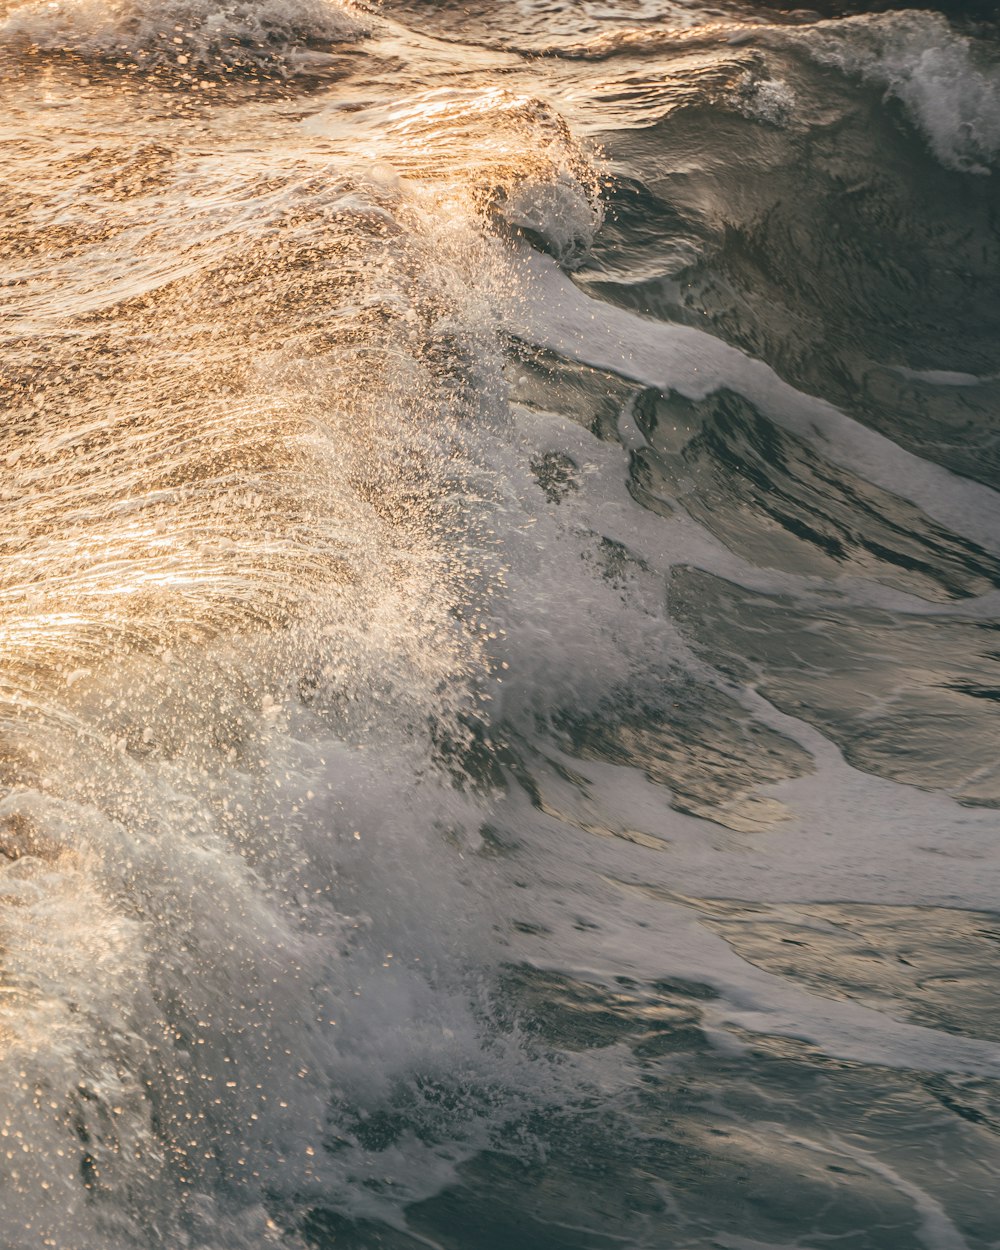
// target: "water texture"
[[500, 620]]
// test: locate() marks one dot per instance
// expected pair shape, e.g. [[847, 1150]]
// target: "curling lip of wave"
[[183, 35]]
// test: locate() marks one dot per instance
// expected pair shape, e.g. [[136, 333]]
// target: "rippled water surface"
[[500, 620]]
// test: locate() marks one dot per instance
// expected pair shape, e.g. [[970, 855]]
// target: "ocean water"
[[500, 626]]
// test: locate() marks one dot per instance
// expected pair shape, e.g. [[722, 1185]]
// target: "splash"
[[241, 913], [512, 159]]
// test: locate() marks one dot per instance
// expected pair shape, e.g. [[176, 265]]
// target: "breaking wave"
[[183, 36]]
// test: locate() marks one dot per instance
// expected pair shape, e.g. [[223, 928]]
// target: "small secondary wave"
[[185, 36], [949, 89]]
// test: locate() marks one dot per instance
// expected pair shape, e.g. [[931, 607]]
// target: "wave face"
[[499, 599]]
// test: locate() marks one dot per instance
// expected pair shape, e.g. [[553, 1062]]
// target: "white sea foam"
[[217, 956], [939, 377], [548, 309]]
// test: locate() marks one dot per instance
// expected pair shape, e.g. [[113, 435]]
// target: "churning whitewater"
[[499, 612]]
